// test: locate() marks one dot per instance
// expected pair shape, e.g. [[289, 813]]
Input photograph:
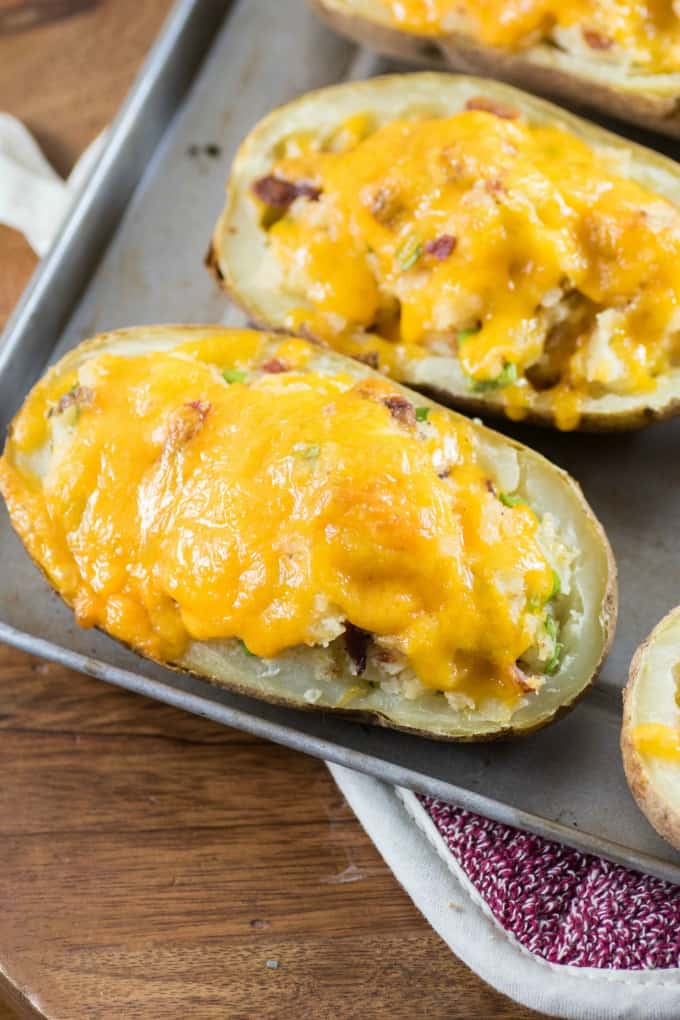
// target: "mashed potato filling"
[[212, 492], [645, 33], [514, 248]]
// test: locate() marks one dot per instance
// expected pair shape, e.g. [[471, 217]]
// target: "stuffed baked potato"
[[467, 239], [290, 524], [650, 736], [621, 58]]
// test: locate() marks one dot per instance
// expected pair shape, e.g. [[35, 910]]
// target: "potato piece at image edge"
[[648, 99], [650, 735]]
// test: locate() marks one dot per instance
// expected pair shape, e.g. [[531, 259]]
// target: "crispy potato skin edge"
[[609, 613], [661, 816], [460, 53]]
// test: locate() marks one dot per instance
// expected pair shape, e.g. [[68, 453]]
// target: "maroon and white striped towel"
[[558, 930]]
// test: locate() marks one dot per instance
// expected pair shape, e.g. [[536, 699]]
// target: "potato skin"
[[458, 52], [230, 236], [590, 421], [228, 676], [609, 612], [660, 814]]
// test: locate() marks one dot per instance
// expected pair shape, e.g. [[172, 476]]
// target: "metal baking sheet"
[[131, 253]]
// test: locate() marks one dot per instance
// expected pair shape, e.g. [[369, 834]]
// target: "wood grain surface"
[[154, 865]]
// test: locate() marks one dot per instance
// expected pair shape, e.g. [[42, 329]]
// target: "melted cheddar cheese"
[[645, 34], [658, 741], [212, 491], [513, 247]]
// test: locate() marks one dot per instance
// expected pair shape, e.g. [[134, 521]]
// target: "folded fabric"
[[33, 197], [558, 930], [566, 907]]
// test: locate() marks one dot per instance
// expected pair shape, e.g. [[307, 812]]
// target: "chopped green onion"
[[550, 625], [554, 664], [245, 648], [465, 334], [408, 252], [307, 452], [508, 500], [504, 378], [556, 586], [232, 375], [508, 375], [422, 413], [552, 630], [534, 603]]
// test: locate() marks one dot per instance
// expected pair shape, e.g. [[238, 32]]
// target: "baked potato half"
[[289, 524], [632, 77], [650, 735], [468, 239]]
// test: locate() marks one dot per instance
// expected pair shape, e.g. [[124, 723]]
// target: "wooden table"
[[151, 863]]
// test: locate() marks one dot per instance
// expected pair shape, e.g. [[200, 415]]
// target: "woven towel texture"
[[565, 906]]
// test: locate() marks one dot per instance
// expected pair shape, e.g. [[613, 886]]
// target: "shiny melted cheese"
[[177, 505], [658, 741], [644, 33], [533, 218]]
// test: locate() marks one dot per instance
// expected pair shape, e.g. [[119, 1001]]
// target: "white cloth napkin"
[[33, 197], [35, 200]]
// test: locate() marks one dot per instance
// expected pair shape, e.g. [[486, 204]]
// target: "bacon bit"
[[275, 366], [494, 185], [502, 110], [202, 406], [187, 422], [596, 40], [80, 396], [278, 193], [441, 247], [385, 205], [401, 409], [275, 192], [356, 644], [307, 190], [490, 487], [370, 358], [524, 681]]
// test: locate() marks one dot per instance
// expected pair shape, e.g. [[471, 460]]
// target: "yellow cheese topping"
[[658, 741], [645, 33], [216, 491], [514, 247]]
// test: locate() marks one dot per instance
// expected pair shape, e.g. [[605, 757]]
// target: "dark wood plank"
[[153, 863], [18, 262], [66, 79]]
